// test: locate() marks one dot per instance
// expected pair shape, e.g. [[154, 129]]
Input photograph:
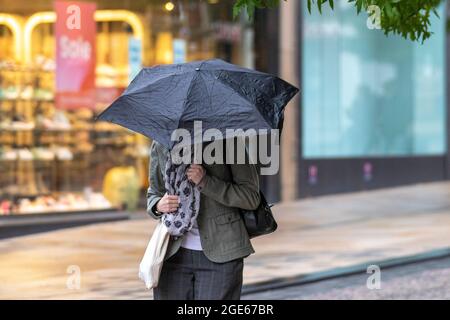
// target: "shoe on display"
[[11, 92], [43, 94], [43, 122], [63, 153], [60, 121], [41, 153], [98, 201], [25, 154], [5, 124], [22, 125], [5, 207], [10, 154], [27, 93], [49, 65]]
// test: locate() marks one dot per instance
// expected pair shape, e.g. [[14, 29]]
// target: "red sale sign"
[[75, 34]]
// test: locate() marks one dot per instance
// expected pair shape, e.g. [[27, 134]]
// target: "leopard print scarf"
[[180, 222]]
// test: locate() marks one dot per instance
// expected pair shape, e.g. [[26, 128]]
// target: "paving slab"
[[314, 235]]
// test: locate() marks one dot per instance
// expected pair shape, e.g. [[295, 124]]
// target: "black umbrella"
[[221, 95]]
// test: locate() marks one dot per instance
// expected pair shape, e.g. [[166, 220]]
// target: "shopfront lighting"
[[30, 25], [169, 6], [14, 23], [100, 15], [122, 15], [164, 48]]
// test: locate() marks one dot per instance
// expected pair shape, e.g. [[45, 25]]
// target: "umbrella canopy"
[[221, 95]]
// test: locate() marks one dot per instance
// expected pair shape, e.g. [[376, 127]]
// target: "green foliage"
[[408, 18], [250, 6]]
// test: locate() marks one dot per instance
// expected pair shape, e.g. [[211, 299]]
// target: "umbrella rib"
[[161, 115], [216, 111], [172, 88], [209, 93], [266, 98], [187, 96], [140, 90], [246, 73]]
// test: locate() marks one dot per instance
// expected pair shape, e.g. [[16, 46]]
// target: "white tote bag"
[[151, 264]]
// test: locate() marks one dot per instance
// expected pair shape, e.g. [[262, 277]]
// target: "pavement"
[[429, 280], [315, 235], [17, 225]]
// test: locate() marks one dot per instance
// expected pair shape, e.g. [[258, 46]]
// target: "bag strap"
[[261, 194]]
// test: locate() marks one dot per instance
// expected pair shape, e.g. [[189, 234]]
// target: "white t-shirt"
[[191, 240]]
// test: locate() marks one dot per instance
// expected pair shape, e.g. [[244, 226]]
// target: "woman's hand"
[[167, 204], [195, 173]]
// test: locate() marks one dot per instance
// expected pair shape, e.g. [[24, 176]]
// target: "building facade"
[[58, 160], [372, 110]]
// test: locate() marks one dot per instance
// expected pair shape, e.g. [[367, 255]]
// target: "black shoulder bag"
[[260, 221]]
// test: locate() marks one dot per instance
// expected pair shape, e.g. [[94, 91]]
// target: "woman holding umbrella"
[[199, 204], [207, 261]]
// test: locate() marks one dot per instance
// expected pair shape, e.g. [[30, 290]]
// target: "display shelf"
[[23, 195], [26, 100], [89, 127], [69, 130], [24, 69], [28, 94], [56, 213], [35, 160], [19, 225]]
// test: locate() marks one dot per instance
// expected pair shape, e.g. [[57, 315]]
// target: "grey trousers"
[[190, 275]]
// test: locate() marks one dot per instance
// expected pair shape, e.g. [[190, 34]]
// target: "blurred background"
[[54, 157], [371, 113]]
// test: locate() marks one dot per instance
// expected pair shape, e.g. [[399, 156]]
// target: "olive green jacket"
[[227, 187]]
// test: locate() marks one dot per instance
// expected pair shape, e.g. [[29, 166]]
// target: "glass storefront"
[[368, 95], [60, 160]]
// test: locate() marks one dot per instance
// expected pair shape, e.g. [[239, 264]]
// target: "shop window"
[[54, 160], [365, 94]]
